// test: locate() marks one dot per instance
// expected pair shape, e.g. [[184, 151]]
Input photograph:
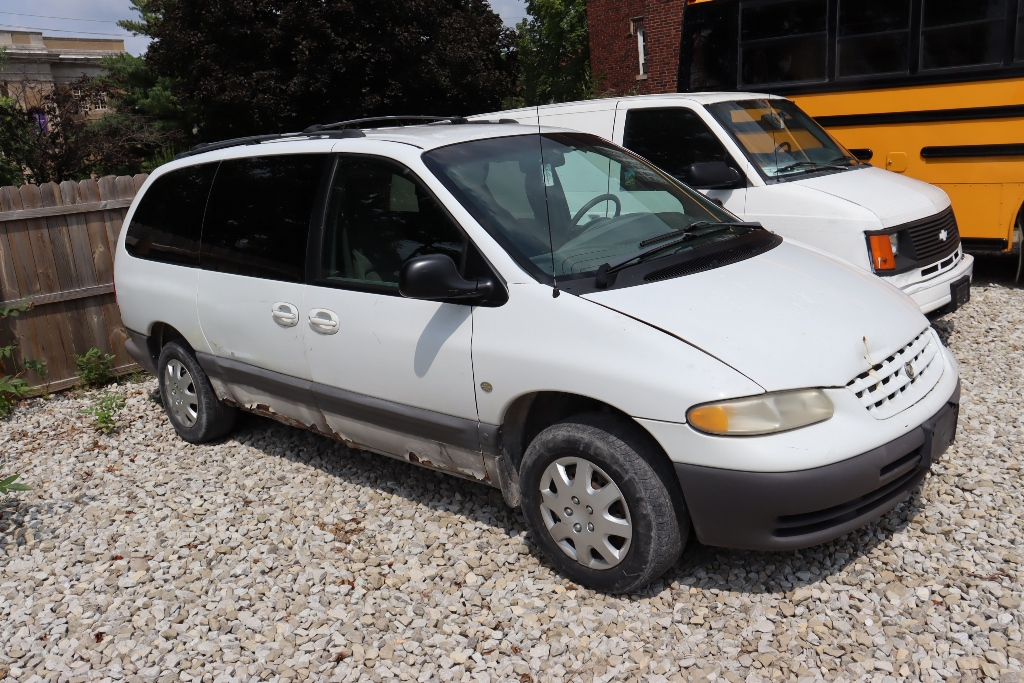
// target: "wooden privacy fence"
[[57, 244]]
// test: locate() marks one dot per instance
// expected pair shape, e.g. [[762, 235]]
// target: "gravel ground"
[[278, 555]]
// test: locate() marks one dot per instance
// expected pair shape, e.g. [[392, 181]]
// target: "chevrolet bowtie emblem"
[[911, 372], [943, 235]]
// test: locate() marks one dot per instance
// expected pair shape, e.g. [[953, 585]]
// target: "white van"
[[439, 294], [767, 161]]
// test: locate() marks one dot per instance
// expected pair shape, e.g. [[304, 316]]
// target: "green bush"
[[12, 387], [104, 409], [94, 368]]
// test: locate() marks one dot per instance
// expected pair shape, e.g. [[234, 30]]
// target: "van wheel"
[[188, 398], [602, 504]]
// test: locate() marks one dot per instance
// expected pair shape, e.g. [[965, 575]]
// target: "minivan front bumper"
[[787, 510]]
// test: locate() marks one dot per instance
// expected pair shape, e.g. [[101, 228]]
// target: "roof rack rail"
[[257, 139], [339, 129], [316, 127]]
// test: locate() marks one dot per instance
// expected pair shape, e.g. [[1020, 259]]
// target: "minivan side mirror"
[[709, 175], [436, 277]]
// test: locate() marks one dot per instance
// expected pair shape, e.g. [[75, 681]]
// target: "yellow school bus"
[[930, 88]]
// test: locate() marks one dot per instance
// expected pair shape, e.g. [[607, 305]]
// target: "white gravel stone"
[[280, 555]]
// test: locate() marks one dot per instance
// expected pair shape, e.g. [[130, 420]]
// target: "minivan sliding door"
[[389, 373], [251, 285]]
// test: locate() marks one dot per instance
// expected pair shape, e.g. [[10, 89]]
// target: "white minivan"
[[441, 294], [765, 160]]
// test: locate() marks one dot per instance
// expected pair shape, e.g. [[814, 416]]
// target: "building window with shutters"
[[636, 28]]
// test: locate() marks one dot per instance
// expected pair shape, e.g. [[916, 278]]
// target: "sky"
[[96, 18]]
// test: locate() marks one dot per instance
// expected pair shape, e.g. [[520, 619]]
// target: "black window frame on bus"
[[717, 23]]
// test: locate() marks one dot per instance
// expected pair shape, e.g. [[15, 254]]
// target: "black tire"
[[650, 503], [189, 400]]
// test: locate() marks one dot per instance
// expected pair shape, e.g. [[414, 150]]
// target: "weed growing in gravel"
[[104, 409], [7, 485], [94, 368]]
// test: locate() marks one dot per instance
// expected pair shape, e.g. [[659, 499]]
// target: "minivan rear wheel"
[[602, 504], [188, 397]]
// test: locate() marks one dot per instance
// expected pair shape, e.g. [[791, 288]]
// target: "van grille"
[[887, 389], [926, 235]]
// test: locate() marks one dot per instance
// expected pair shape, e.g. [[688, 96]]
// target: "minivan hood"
[[893, 198], [789, 318]]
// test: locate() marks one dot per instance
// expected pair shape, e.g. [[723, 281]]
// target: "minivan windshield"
[[564, 204], [780, 139]]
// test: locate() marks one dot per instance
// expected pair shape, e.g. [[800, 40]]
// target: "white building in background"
[[36, 63]]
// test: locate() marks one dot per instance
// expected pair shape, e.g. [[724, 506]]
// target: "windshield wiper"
[[662, 242], [810, 166]]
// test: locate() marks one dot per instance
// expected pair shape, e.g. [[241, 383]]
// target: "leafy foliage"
[[256, 66], [104, 409], [94, 368], [554, 54], [7, 485], [12, 387]]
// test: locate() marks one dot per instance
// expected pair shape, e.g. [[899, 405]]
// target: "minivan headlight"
[[765, 414]]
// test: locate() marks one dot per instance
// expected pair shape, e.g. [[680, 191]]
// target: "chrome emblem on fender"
[[943, 235], [911, 372]]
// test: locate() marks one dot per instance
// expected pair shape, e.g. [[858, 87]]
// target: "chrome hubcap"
[[585, 513], [180, 396]]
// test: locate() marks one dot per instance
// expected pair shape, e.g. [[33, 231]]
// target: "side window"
[[874, 37], [672, 139], [257, 222], [167, 224], [783, 42], [379, 215], [957, 33]]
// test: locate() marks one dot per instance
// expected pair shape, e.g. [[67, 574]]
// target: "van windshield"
[[564, 204], [780, 139]]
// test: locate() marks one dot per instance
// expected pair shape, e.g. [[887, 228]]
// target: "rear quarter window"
[[168, 221]]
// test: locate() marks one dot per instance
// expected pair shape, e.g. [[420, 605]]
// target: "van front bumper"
[[937, 292], [787, 510]]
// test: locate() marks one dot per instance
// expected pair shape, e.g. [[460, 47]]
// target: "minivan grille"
[[887, 388], [926, 235]]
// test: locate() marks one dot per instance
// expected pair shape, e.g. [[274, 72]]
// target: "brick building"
[[36, 63], [634, 44]]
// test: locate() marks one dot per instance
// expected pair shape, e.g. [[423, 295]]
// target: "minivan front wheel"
[[601, 504], [189, 399]]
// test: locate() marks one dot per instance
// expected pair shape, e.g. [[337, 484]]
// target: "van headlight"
[[765, 414]]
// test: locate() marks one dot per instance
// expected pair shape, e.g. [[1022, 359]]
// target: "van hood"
[[789, 318], [895, 199]]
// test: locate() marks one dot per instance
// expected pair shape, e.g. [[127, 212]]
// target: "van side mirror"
[[435, 277], [709, 175]]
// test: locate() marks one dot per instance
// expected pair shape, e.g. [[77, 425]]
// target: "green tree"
[[554, 53], [259, 66]]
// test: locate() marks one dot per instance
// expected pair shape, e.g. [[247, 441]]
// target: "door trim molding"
[[470, 435]]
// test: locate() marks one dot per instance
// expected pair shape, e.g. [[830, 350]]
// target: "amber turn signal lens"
[[882, 257], [712, 419]]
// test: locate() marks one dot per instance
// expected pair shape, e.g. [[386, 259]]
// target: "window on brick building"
[[636, 27]]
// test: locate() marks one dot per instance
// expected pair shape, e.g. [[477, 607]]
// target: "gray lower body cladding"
[[466, 448], [788, 510]]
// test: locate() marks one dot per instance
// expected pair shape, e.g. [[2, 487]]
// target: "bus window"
[[874, 37], [710, 46], [783, 42], [1019, 52], [956, 33]]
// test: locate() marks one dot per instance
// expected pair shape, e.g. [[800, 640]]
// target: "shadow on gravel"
[[429, 488], [754, 572]]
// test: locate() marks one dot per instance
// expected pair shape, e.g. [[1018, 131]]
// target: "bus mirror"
[[709, 175]]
